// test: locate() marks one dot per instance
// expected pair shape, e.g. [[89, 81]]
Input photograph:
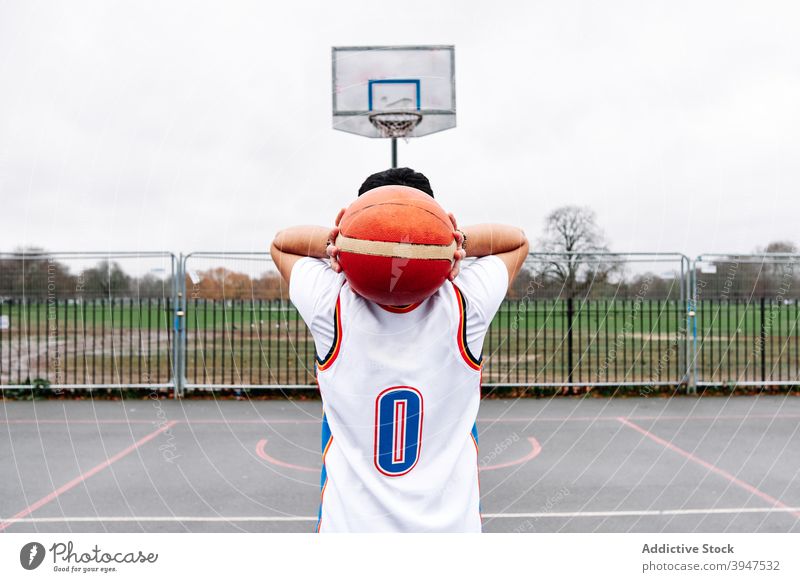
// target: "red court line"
[[536, 448], [713, 468], [82, 477], [264, 455]]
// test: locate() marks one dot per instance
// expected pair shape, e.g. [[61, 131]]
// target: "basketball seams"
[[399, 250]]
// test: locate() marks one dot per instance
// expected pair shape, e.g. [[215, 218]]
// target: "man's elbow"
[[524, 245], [277, 241]]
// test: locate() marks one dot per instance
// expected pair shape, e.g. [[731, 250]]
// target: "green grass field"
[[267, 343], [630, 316]]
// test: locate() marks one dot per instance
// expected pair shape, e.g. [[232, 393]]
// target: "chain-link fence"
[[592, 319], [570, 319], [747, 314], [240, 329], [85, 320], [223, 320]]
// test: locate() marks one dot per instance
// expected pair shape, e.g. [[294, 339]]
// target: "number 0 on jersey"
[[398, 430]]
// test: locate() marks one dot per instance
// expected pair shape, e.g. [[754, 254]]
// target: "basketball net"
[[395, 123]]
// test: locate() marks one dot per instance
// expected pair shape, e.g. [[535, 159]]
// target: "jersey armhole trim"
[[463, 347], [330, 357]]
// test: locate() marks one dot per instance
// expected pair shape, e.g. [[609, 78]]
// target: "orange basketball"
[[396, 245]]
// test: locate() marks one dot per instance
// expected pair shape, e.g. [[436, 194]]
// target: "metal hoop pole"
[[394, 152]]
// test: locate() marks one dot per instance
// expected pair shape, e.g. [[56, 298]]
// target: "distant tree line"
[[768, 274], [572, 261], [39, 277]]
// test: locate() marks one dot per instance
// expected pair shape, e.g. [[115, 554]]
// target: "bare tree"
[[766, 274], [105, 279], [30, 272], [779, 246], [573, 233], [779, 277]]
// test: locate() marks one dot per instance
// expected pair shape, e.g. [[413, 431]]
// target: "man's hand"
[[459, 253], [331, 249]]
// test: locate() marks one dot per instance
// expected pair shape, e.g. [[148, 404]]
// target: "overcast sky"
[[207, 126]]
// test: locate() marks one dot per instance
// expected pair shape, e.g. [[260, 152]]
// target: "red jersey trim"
[[472, 361], [327, 361]]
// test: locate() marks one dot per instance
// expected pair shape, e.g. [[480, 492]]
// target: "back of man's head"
[[397, 177]]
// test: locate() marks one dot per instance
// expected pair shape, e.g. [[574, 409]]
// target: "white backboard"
[[376, 79]]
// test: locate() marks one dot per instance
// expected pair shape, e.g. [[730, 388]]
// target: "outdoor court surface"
[[683, 464]]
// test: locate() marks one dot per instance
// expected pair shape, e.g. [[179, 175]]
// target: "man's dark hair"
[[397, 177]]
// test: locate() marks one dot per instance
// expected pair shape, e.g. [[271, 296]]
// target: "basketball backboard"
[[414, 82]]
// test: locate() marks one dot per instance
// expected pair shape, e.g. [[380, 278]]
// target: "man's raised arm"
[[292, 244], [508, 243]]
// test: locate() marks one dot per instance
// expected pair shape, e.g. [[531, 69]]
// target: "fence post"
[[570, 315], [683, 330], [176, 275], [183, 324], [691, 345], [762, 338], [178, 300]]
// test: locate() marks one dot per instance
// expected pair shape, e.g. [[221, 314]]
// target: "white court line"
[[489, 419], [644, 512], [128, 519], [288, 518]]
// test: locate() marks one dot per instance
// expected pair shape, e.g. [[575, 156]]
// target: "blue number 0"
[[398, 430]]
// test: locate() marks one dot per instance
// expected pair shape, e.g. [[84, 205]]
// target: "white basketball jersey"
[[400, 391]]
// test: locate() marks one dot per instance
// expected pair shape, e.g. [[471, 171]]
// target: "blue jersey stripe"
[[323, 476]]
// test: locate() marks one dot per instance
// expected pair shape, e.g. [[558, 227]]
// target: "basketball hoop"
[[395, 123], [385, 91]]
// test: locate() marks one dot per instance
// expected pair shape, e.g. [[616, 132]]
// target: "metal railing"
[[593, 319], [747, 317], [77, 320], [211, 321], [586, 342], [249, 336], [240, 330]]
